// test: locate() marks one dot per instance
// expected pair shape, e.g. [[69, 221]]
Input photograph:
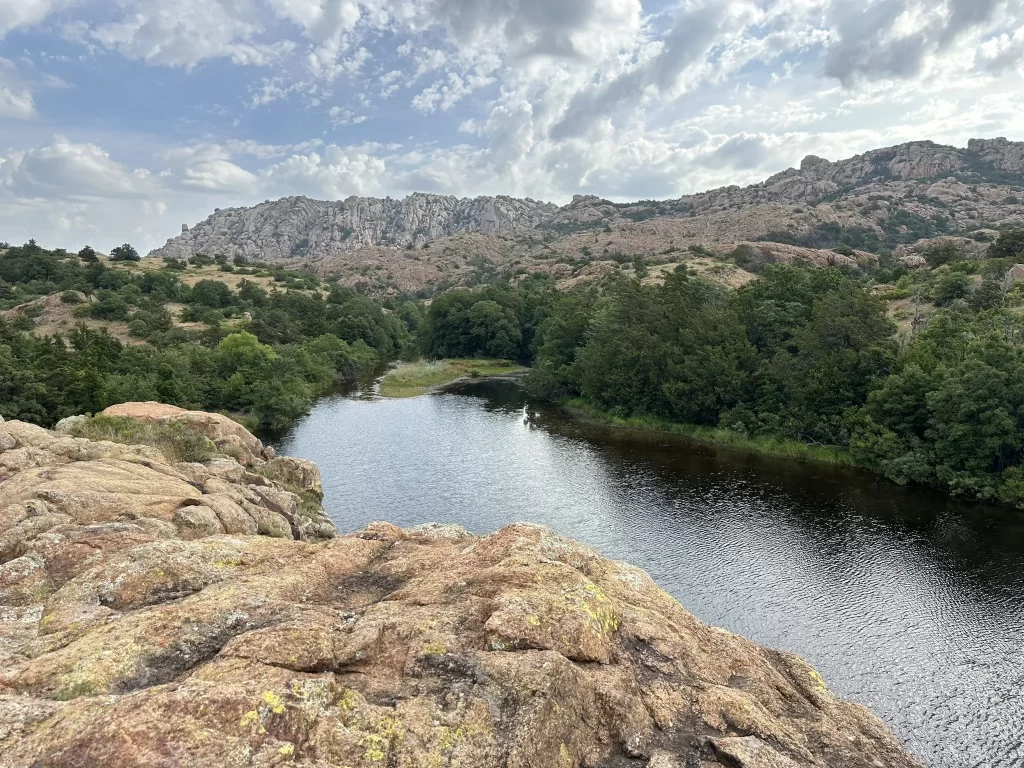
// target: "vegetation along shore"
[[914, 372]]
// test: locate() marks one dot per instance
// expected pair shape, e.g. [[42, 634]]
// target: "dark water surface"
[[906, 602]]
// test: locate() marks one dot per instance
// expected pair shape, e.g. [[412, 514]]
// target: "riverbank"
[[769, 446], [414, 379]]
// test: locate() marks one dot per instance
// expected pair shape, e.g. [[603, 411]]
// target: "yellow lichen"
[[448, 738], [287, 750], [249, 718], [533, 621], [600, 611], [275, 702], [819, 681], [434, 649], [564, 758], [347, 701], [388, 734]]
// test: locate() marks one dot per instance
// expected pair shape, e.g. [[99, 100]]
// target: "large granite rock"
[[143, 624], [228, 435]]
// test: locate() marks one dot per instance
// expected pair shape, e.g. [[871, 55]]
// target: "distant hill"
[[874, 202]]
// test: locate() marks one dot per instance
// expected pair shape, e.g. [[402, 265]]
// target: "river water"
[[907, 602]]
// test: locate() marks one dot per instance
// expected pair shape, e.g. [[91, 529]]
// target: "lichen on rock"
[[144, 622]]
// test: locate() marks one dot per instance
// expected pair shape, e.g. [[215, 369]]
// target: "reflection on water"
[[906, 601]]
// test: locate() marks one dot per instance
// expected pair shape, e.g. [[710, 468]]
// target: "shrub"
[[176, 442]]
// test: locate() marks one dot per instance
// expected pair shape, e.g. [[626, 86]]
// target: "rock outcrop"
[[424, 240], [142, 623], [228, 435], [298, 227]]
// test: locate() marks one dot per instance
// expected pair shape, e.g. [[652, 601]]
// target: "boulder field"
[[156, 614]]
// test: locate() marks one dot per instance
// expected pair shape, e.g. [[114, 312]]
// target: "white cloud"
[[341, 118], [257, 149], [64, 170], [15, 95], [335, 174], [184, 33], [19, 13], [444, 94]]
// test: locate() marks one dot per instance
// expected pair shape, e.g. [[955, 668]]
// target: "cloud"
[[686, 43], [575, 29], [64, 170], [19, 13], [257, 149], [15, 94], [341, 118], [444, 94], [335, 174], [184, 33], [896, 38]]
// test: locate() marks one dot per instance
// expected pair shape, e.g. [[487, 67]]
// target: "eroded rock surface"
[[132, 635]]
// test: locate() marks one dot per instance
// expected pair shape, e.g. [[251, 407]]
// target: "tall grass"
[[176, 442], [770, 446], [412, 379]]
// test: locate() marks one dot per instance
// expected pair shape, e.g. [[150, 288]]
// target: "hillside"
[[876, 201]]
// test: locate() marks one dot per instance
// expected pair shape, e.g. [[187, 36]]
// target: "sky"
[[121, 120]]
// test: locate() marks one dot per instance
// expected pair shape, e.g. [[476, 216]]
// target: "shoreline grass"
[[724, 438], [414, 379]]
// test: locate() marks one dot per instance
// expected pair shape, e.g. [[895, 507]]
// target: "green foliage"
[[265, 355], [1009, 245], [88, 255], [901, 226], [750, 258], [125, 253], [175, 441], [805, 357], [498, 321], [212, 293], [949, 286]]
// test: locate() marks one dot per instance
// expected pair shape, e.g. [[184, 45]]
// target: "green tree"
[[124, 253], [1009, 245], [493, 331], [212, 293]]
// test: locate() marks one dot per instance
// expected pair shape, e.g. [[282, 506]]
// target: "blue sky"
[[122, 119]]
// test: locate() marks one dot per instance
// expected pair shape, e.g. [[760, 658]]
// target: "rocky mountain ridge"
[[875, 201], [147, 619]]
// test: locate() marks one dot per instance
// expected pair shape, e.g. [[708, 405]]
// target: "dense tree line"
[[808, 355], [261, 353], [802, 354], [497, 321]]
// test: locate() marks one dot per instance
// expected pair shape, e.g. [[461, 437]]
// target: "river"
[[906, 601]]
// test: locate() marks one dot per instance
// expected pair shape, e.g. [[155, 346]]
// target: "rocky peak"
[[299, 227], [143, 622], [999, 153], [812, 161]]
